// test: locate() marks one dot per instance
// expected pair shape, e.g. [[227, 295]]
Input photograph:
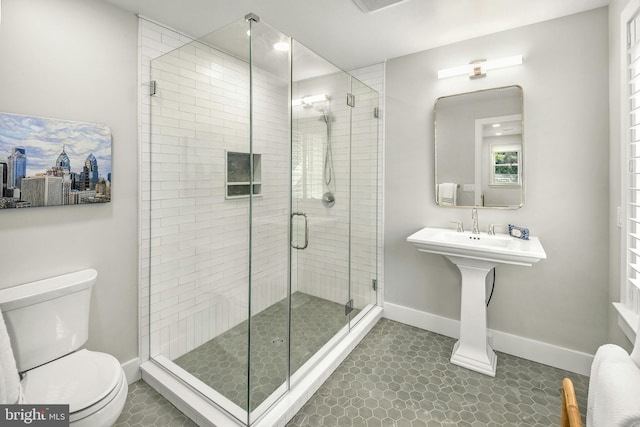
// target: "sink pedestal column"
[[472, 350]]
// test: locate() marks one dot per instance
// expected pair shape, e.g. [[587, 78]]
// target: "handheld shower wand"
[[328, 176], [328, 198]]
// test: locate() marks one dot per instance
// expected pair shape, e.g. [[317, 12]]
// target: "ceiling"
[[350, 38]]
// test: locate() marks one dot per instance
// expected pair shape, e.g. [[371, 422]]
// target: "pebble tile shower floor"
[[401, 376]]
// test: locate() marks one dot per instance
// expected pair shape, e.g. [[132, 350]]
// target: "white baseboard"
[[537, 351], [132, 370]]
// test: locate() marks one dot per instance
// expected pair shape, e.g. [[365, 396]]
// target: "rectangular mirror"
[[479, 149]]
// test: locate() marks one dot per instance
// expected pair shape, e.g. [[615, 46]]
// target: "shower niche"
[[243, 174], [240, 313]]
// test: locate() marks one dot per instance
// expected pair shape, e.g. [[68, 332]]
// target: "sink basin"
[[499, 248], [476, 255]]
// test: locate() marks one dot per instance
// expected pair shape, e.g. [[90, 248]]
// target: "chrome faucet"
[[459, 226], [492, 229], [474, 218]]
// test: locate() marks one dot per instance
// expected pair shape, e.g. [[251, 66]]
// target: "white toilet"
[[47, 322]]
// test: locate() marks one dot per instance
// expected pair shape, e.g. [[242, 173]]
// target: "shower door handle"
[[306, 230]]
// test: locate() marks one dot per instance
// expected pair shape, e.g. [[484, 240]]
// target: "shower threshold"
[[196, 399]]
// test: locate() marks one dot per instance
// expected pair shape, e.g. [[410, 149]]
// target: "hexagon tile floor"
[[400, 376], [146, 407], [313, 322]]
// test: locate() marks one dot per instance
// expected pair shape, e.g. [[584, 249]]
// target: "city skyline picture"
[[51, 162]]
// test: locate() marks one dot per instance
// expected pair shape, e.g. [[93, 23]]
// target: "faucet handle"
[[492, 229], [459, 226]]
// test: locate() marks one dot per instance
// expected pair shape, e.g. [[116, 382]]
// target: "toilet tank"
[[48, 318]]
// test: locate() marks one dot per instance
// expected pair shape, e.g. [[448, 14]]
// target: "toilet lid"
[[79, 379]]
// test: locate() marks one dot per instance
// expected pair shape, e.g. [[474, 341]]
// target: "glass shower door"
[[320, 204], [270, 208], [200, 215], [363, 266]]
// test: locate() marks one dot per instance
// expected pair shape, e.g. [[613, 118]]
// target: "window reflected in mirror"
[[506, 166]]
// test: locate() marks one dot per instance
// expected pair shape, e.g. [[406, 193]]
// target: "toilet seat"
[[86, 380]]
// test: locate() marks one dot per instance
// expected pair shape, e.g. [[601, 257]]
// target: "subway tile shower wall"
[[195, 242], [323, 268]]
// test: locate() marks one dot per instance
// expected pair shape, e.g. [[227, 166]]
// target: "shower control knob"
[[328, 200]]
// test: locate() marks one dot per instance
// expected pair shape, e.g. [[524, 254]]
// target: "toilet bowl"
[[93, 385], [47, 323]]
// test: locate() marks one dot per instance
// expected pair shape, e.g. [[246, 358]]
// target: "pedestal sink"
[[475, 255]]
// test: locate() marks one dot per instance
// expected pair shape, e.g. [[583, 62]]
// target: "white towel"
[[614, 387], [10, 390], [447, 194]]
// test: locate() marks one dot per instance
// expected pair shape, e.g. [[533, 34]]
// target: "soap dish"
[[519, 232]]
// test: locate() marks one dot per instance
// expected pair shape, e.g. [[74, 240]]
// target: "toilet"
[[47, 322]]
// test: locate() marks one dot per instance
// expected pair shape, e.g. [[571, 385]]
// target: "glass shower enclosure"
[[264, 213]]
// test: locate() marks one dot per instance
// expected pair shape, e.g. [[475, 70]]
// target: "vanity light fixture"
[[309, 99], [479, 68], [369, 6]]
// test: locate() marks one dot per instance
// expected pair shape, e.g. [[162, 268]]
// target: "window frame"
[[507, 148], [629, 306]]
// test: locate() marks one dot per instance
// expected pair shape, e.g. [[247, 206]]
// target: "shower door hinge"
[[153, 87], [351, 100], [348, 307], [374, 284], [376, 112]]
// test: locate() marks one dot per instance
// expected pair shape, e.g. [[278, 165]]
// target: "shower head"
[[319, 103], [319, 108], [309, 101]]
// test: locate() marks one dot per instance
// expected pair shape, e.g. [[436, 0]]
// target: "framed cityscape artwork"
[[51, 162]]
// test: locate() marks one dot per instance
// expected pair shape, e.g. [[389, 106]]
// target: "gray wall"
[[76, 60], [562, 300]]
